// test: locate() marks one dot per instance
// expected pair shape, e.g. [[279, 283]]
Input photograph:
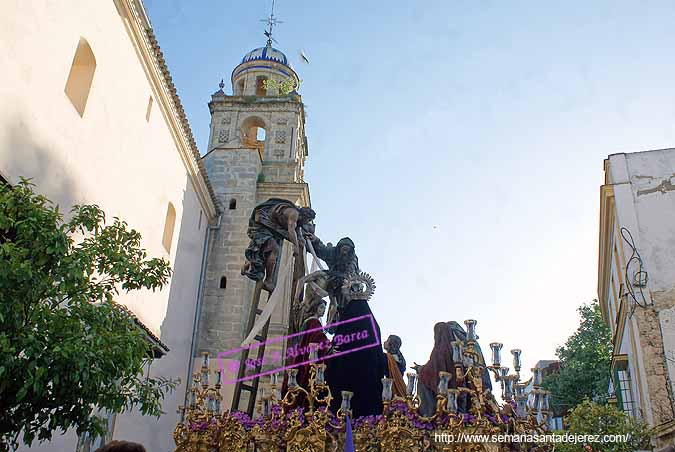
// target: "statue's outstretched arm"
[[292, 225]]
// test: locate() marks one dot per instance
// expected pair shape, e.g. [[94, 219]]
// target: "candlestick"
[[496, 353], [443, 379], [386, 388], [451, 405], [544, 401], [346, 400], [313, 351], [292, 378], [508, 388], [516, 352], [320, 369], [410, 388], [536, 377], [470, 330]]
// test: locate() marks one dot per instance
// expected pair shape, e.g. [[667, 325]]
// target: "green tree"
[[66, 349], [590, 418], [281, 88], [584, 363]]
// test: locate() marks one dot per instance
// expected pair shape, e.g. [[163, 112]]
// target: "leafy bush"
[[590, 418]]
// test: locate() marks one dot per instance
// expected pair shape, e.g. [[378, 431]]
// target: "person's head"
[[306, 215], [345, 246], [121, 446], [321, 310], [393, 344], [317, 309], [439, 330]]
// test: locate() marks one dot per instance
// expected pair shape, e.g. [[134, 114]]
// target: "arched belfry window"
[[169, 224], [260, 86], [81, 76], [254, 134], [223, 282], [233, 204]]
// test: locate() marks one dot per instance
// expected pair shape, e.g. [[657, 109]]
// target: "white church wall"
[[111, 155], [118, 152], [177, 326]]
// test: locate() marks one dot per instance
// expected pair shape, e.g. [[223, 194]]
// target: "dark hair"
[[395, 341], [307, 214], [121, 446]]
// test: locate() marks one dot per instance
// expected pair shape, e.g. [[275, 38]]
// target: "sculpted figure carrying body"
[[270, 223]]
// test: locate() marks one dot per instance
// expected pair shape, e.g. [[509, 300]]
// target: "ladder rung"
[[259, 338], [258, 311], [247, 388]]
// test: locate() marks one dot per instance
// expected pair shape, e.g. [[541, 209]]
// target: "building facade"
[[94, 117], [636, 283], [91, 116]]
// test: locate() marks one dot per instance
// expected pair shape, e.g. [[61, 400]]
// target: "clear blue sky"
[[489, 120]]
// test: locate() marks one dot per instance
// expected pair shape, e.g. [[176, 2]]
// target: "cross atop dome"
[[271, 21]]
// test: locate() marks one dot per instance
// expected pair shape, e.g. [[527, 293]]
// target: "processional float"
[[469, 408], [281, 427]]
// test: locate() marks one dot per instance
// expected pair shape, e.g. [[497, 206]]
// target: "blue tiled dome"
[[268, 53]]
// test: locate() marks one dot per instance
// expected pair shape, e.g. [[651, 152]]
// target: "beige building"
[[636, 284], [92, 116]]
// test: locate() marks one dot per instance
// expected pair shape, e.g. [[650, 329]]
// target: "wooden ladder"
[[252, 385]]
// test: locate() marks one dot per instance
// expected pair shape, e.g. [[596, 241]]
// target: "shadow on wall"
[[176, 330], [21, 155]]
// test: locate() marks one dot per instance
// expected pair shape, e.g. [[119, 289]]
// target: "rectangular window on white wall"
[[624, 388]]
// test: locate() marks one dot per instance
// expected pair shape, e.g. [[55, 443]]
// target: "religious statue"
[[311, 312], [359, 364], [270, 223], [394, 366], [316, 284], [342, 263], [443, 359]]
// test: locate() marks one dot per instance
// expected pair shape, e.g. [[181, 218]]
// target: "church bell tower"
[[257, 150]]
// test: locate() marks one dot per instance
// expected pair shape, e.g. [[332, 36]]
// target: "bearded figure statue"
[[342, 263]]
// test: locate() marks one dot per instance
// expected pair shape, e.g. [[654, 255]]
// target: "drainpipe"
[[200, 299]]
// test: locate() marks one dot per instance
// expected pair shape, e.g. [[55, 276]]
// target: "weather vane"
[[271, 22]]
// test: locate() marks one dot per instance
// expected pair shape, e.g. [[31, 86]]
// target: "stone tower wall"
[[249, 172]]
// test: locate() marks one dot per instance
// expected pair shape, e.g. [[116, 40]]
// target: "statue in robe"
[[299, 352], [359, 367], [342, 263], [394, 365], [442, 359], [270, 223]]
